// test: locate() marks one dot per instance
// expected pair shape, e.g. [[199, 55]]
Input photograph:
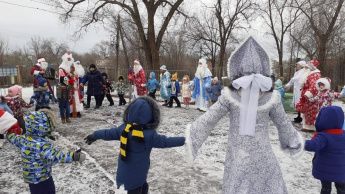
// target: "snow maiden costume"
[[250, 164], [201, 82], [165, 82]]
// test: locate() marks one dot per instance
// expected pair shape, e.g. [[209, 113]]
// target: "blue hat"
[[41, 80], [163, 67], [105, 74]]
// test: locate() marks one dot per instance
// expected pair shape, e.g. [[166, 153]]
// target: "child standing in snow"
[[175, 91], [325, 95], [328, 145], [278, 85], [138, 136], [186, 91], [215, 90], [121, 90], [38, 154], [153, 84], [15, 103], [63, 93], [107, 90], [42, 94]]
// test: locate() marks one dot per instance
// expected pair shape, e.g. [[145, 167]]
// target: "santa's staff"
[[74, 109]]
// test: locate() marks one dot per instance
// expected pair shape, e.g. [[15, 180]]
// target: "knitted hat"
[[120, 77], [41, 80], [15, 90], [174, 76], [163, 67], [301, 63], [105, 74], [92, 66], [137, 61]]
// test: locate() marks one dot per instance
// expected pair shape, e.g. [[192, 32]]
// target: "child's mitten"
[[78, 156], [90, 139]]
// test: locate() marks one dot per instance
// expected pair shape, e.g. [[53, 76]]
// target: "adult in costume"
[[165, 82], [250, 163], [136, 76], [296, 87], [39, 68], [66, 70], [201, 83], [79, 69], [309, 109]]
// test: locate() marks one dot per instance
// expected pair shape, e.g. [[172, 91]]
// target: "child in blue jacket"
[[138, 136], [38, 154], [175, 91], [42, 94], [329, 147], [278, 85], [153, 84]]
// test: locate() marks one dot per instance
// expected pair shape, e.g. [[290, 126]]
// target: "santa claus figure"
[[80, 71], [39, 68], [137, 77], [309, 109], [66, 70], [202, 82]]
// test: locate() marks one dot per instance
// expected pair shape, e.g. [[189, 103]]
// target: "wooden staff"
[[74, 113]]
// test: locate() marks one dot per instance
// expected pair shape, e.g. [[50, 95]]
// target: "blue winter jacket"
[[38, 155], [4, 107], [133, 172], [329, 159], [177, 86], [94, 86], [152, 83], [42, 98], [215, 91]]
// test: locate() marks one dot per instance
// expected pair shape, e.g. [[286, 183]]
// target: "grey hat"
[[249, 58]]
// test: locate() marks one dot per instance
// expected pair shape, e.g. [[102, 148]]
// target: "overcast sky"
[[19, 24]]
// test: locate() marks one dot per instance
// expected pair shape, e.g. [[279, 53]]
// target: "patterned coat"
[[250, 163], [324, 98], [38, 154], [16, 104], [121, 87], [138, 79], [310, 109], [165, 82], [42, 98]]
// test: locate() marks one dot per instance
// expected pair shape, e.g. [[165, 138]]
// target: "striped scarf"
[[137, 135]]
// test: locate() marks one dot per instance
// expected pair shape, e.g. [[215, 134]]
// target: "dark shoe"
[[70, 114], [97, 107], [78, 115], [120, 104], [111, 104], [63, 120], [165, 104], [124, 103], [298, 120], [169, 106], [87, 106], [177, 106]]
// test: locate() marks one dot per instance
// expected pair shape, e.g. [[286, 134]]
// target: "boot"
[[298, 120], [165, 103], [87, 106], [68, 120], [112, 104], [97, 107], [78, 115], [63, 120]]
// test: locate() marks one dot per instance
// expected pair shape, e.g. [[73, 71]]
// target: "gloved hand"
[[90, 139], [78, 156], [143, 85]]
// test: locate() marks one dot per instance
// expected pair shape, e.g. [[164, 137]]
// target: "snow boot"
[[68, 120], [78, 115], [63, 120], [87, 106], [97, 106]]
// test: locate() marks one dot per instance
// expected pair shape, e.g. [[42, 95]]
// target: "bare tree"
[[102, 49], [279, 15], [150, 35]]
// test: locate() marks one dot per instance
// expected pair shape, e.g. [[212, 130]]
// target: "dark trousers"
[[327, 187], [65, 109], [144, 189], [122, 99], [176, 100], [97, 99], [110, 99], [21, 123], [45, 187], [153, 94]]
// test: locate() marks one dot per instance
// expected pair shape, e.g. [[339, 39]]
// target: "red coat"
[[138, 79], [310, 109]]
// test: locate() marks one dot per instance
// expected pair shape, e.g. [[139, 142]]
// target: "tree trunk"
[[222, 55], [281, 67], [322, 58]]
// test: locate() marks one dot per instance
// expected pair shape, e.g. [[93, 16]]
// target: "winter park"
[[181, 96]]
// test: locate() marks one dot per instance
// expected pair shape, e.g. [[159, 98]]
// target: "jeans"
[[45, 187], [144, 189], [327, 187], [64, 109]]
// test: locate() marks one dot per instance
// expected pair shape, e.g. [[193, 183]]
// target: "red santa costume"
[[41, 65], [309, 109], [65, 71], [137, 77]]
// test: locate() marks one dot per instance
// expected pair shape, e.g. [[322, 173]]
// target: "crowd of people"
[[252, 99]]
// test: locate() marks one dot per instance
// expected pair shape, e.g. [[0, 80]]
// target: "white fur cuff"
[[308, 94], [189, 147], [301, 150]]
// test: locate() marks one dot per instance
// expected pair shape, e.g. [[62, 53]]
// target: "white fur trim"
[[41, 60], [308, 94], [36, 72], [274, 99], [6, 122], [301, 151], [189, 147], [325, 82]]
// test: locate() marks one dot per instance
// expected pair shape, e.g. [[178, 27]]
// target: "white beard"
[[136, 69], [66, 66], [79, 70], [304, 76], [200, 72]]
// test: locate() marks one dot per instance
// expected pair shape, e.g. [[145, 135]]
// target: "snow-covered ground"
[[169, 172]]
